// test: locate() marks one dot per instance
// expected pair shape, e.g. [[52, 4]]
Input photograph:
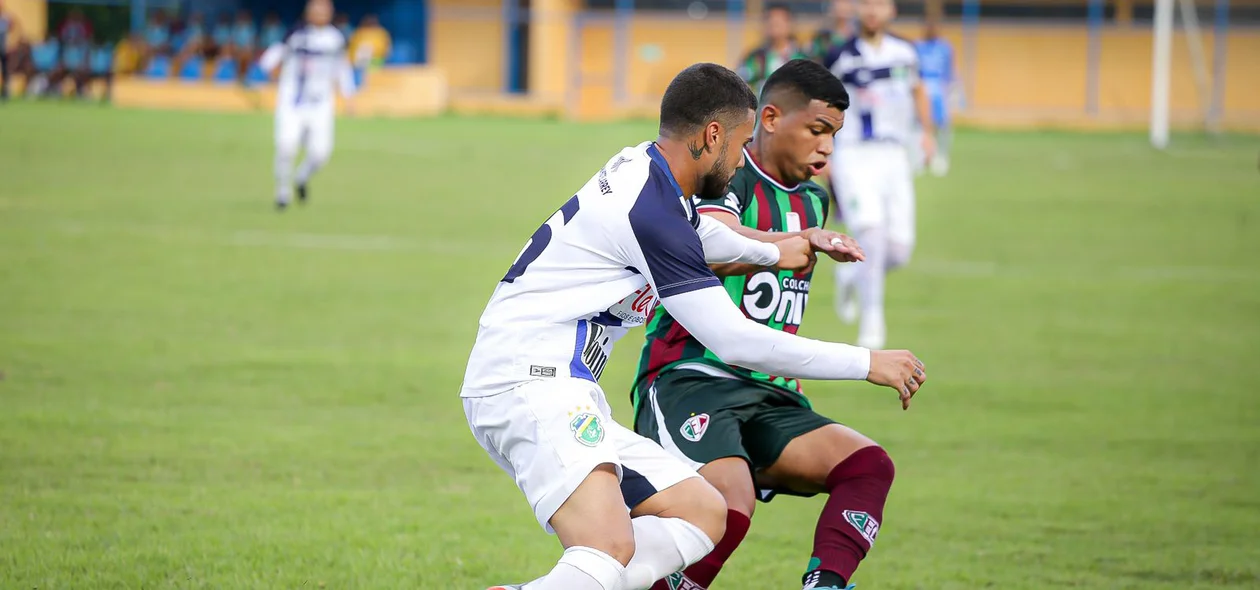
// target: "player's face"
[[778, 25], [875, 14], [842, 9], [730, 158], [803, 139], [319, 12]]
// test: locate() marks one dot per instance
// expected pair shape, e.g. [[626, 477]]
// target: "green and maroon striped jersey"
[[772, 297]]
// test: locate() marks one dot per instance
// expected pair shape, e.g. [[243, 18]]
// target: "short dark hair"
[[702, 93], [773, 6], [799, 81]]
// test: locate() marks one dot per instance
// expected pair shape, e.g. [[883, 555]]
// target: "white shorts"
[[550, 434], [310, 123], [875, 189]]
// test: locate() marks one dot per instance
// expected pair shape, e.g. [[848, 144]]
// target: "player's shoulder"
[[901, 45]]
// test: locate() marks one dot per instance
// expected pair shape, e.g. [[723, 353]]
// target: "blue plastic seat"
[[256, 75], [159, 67], [225, 70], [191, 70]]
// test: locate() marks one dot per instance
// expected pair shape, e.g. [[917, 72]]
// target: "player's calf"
[[851, 518]]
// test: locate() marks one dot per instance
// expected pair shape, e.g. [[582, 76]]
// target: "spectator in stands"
[[13, 60], [101, 67], [128, 54], [74, 29], [273, 32], [342, 22], [73, 64], [780, 47], [837, 32], [244, 41], [192, 41], [220, 38], [370, 44], [157, 38]]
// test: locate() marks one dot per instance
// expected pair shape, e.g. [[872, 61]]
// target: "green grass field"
[[199, 392]]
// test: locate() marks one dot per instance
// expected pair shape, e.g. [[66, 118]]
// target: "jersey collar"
[[772, 180], [659, 160]]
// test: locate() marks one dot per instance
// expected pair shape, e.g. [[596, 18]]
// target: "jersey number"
[[539, 241]]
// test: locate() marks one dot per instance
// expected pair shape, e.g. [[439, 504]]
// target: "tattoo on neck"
[[697, 150]]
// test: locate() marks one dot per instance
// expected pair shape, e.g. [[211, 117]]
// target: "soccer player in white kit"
[[627, 512], [871, 170], [313, 64]]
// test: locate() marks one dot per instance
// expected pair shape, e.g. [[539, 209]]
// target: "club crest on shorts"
[[587, 429], [866, 525], [693, 429]]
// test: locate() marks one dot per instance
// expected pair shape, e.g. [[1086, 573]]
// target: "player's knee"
[[877, 464], [619, 547], [709, 511]]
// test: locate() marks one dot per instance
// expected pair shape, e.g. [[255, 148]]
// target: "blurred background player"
[[8, 31], [871, 169], [936, 67], [313, 65], [837, 31], [779, 48], [743, 429]]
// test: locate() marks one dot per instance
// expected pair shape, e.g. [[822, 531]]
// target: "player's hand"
[[795, 254], [349, 107], [929, 147], [900, 370], [839, 247]]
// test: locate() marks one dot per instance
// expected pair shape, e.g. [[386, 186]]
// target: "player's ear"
[[770, 116], [713, 134]]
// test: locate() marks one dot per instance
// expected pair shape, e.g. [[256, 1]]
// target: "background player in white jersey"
[[587, 275], [313, 65], [871, 169]]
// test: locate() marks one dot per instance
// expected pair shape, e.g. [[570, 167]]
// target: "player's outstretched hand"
[[900, 370], [795, 253], [839, 247]]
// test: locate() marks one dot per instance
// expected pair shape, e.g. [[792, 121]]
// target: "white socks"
[[663, 546], [581, 568], [310, 165]]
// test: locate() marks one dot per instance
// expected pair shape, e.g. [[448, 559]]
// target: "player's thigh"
[[290, 127], [900, 207], [549, 435], [859, 189], [815, 445], [321, 127]]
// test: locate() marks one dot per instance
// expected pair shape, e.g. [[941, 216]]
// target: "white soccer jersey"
[[313, 63], [880, 81], [590, 273]]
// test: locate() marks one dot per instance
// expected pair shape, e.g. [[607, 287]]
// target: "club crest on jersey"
[[866, 525], [587, 429], [693, 429], [677, 581]]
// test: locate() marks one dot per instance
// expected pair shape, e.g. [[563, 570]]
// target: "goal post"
[[1161, 72]]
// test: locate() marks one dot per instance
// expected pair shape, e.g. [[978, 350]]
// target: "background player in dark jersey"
[[746, 430], [836, 32], [779, 47]]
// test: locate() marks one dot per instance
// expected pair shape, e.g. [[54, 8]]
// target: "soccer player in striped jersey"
[[627, 512], [871, 171], [313, 66], [746, 430]]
